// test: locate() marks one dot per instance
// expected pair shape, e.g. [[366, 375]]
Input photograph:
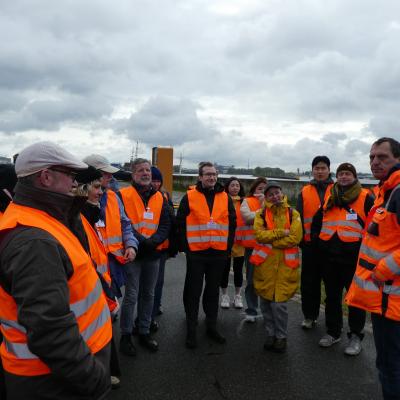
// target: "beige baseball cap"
[[101, 163], [42, 155]]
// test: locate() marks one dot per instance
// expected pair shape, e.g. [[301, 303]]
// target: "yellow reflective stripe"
[[81, 306], [365, 285]]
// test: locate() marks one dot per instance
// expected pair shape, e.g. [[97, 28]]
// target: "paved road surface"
[[241, 369]]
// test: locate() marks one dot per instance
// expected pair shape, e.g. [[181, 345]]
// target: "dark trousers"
[[160, 284], [237, 272], [387, 343], [198, 269], [311, 278], [338, 275]]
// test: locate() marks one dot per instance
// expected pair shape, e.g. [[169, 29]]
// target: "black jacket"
[[184, 211], [34, 270]]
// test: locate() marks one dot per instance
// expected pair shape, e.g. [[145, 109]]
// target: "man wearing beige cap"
[[114, 226], [54, 317]]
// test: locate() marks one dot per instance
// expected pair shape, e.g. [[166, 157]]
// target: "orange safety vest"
[[262, 251], [86, 297], [99, 257], [111, 233], [246, 232], [145, 221], [1, 214], [311, 204], [239, 224], [381, 248], [343, 222], [204, 231]]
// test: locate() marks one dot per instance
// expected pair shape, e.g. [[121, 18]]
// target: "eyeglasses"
[[210, 174], [70, 173]]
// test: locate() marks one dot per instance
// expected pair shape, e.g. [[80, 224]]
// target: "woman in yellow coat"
[[278, 232]]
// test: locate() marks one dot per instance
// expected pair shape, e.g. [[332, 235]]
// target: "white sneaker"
[[225, 301], [328, 340], [353, 348], [115, 382], [308, 323], [251, 319], [237, 301]]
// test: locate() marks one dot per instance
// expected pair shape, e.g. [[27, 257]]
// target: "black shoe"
[[279, 345], [126, 346], [154, 326], [269, 343], [148, 342], [191, 339], [214, 335]]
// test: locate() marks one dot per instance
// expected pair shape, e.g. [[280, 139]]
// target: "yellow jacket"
[[273, 279]]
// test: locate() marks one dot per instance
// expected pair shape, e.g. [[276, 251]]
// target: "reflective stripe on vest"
[[247, 234], [311, 204], [379, 255], [204, 231], [111, 233], [335, 220], [135, 210], [262, 251], [97, 251], [86, 298]]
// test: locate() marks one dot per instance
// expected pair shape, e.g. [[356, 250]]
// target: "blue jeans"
[[387, 343], [140, 273], [249, 292], [160, 284]]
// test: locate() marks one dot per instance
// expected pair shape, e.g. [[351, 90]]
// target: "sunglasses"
[[70, 173]]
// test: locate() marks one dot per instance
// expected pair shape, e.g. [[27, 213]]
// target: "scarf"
[[343, 195]]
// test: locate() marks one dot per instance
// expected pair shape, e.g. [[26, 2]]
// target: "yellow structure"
[[163, 159]]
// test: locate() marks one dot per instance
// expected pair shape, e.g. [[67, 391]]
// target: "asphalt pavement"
[[241, 369]]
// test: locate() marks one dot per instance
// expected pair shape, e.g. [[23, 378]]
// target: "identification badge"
[[148, 215], [351, 217], [211, 224], [100, 224]]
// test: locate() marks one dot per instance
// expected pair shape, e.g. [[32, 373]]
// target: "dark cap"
[[88, 175], [347, 167], [323, 159], [156, 174], [272, 184]]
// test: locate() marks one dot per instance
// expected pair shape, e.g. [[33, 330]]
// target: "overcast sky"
[[264, 83]]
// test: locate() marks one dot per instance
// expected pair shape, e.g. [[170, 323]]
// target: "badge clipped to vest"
[[211, 224], [148, 214], [100, 224], [351, 217]]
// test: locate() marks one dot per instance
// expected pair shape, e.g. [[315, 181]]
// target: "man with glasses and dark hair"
[[206, 222], [54, 317]]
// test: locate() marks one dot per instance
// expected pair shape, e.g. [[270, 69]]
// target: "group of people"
[[70, 240]]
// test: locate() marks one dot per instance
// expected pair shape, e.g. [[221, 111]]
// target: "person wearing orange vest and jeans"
[[276, 263], [338, 226], [206, 222], [250, 205], [54, 317], [310, 199], [235, 190], [148, 211], [376, 283]]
